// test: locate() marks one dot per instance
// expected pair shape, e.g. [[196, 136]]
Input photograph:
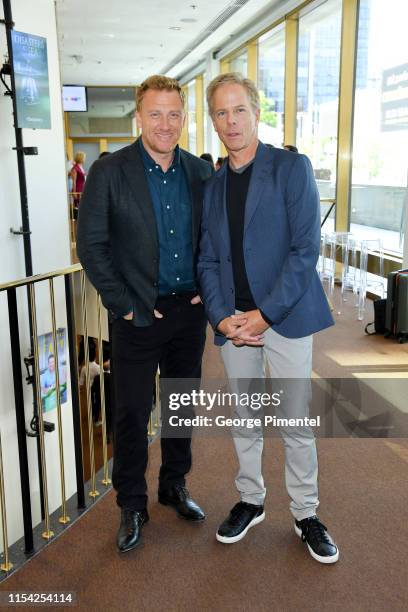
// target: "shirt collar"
[[149, 162]]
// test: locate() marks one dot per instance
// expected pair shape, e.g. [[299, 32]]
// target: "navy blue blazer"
[[281, 246]]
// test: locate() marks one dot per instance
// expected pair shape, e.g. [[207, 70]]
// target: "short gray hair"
[[235, 78]]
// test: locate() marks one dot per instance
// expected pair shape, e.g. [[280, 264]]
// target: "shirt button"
[[171, 231], [150, 169], [174, 169], [175, 255], [154, 284], [164, 182], [157, 167], [168, 207], [178, 278]]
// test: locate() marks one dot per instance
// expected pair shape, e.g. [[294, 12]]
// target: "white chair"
[[366, 281]]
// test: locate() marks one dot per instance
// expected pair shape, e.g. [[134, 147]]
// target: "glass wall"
[[379, 183], [318, 92], [271, 84], [192, 121], [380, 142], [239, 63]]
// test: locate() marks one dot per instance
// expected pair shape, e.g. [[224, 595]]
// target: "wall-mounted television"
[[74, 98]]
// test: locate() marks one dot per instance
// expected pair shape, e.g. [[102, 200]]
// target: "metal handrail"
[[40, 277]]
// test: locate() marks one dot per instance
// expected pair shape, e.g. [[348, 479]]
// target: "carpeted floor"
[[180, 567]]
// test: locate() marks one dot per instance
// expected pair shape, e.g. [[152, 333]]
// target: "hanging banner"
[[30, 65]]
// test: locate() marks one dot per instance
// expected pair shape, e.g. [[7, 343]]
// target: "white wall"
[[48, 210]]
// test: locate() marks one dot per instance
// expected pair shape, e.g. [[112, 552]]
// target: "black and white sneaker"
[[242, 517], [320, 544]]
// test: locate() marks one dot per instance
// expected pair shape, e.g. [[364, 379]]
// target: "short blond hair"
[[79, 157], [159, 83], [235, 78]]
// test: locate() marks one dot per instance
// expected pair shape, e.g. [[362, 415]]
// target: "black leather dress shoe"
[[130, 529], [179, 498]]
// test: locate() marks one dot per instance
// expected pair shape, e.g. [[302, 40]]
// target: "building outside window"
[[379, 196], [318, 93], [271, 84]]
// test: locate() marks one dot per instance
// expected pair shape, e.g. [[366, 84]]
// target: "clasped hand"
[[245, 328]]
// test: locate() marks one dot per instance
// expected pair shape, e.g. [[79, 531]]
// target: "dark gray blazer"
[[117, 241]]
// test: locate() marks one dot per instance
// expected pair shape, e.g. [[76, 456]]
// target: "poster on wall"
[[46, 353], [31, 78]]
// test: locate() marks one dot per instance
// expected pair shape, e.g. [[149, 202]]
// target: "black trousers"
[[176, 344]]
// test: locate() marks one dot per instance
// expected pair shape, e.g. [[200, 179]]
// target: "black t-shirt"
[[237, 190]]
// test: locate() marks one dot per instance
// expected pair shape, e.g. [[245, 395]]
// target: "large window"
[[192, 120], [239, 63], [380, 138], [318, 91], [271, 84]]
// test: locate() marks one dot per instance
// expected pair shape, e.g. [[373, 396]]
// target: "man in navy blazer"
[[257, 273]]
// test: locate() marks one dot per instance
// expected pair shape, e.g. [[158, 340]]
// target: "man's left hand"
[[196, 300], [253, 325]]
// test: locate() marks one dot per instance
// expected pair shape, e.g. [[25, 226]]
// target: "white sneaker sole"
[[243, 533], [326, 560]]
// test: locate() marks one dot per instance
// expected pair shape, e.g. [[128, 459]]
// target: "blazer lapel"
[[220, 202], [260, 173], [196, 193], [134, 172]]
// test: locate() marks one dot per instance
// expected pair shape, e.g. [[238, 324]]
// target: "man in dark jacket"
[[138, 232]]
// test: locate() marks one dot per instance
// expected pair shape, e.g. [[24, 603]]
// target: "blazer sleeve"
[[208, 270], [303, 209], [94, 246]]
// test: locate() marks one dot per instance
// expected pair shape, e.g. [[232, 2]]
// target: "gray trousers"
[[287, 358]]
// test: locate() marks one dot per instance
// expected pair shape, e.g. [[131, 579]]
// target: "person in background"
[[291, 148], [94, 367], [218, 163], [78, 176], [208, 157]]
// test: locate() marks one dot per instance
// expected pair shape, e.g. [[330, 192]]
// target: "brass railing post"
[[93, 492], [47, 534], [6, 566], [64, 518], [106, 480], [157, 415]]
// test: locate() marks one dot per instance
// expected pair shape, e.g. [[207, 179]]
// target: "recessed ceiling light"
[[174, 28], [188, 20]]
